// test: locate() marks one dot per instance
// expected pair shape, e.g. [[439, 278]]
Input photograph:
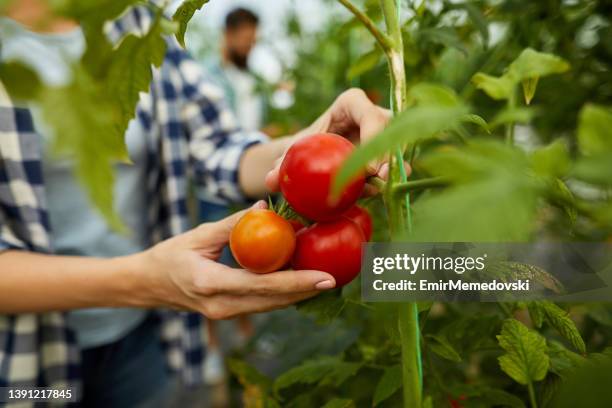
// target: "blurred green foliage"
[[471, 36]]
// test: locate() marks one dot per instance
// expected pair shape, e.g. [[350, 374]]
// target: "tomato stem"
[[402, 188], [510, 105], [408, 324], [383, 40], [400, 216], [532, 398], [408, 317], [283, 209]]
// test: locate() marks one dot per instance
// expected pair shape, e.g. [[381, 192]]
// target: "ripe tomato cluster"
[[263, 241]]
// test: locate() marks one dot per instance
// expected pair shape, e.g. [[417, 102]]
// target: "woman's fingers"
[[220, 279], [353, 116], [272, 181]]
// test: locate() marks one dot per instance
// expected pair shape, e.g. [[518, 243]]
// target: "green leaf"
[[256, 386], [536, 313], [389, 384], [472, 332], [431, 94], [325, 307], [410, 126], [477, 120], [562, 360], [594, 169], [323, 371], [489, 181], [559, 319], [552, 160], [527, 68], [183, 15], [130, 70], [513, 115], [587, 385], [428, 401], [529, 88], [568, 200], [532, 64], [500, 398], [248, 375], [91, 12], [83, 119], [339, 403], [510, 270], [365, 63], [525, 360], [20, 81], [595, 130], [496, 87], [475, 212], [441, 346], [445, 36]]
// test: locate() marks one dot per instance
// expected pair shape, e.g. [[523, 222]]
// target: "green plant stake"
[[400, 217]]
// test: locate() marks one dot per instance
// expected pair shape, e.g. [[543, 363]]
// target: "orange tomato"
[[262, 241]]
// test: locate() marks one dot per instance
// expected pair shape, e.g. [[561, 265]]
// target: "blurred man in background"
[[231, 72]]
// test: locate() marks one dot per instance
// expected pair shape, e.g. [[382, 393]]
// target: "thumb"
[[219, 231], [226, 225]]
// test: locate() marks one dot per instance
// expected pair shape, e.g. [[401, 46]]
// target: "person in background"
[[231, 69], [231, 72]]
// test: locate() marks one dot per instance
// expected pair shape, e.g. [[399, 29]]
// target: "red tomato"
[[297, 225], [361, 217], [333, 247], [262, 241], [307, 172]]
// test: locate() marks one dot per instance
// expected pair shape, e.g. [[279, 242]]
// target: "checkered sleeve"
[[8, 240], [216, 142], [22, 220]]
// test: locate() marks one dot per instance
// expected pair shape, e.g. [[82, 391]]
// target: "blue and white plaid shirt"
[[192, 136]]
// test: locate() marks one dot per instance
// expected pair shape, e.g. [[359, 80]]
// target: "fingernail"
[[326, 284]]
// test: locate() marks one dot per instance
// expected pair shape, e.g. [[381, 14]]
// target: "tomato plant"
[[333, 247], [307, 172], [262, 241], [497, 106]]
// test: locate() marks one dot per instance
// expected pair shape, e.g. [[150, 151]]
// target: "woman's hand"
[[182, 272], [353, 116]]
